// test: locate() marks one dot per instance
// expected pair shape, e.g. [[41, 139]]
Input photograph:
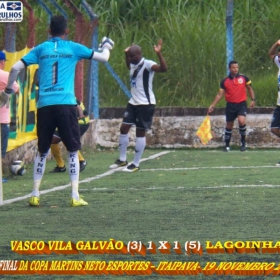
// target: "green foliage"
[[194, 45]]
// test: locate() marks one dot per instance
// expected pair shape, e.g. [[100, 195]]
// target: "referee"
[[234, 87]]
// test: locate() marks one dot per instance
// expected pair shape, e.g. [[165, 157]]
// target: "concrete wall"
[[172, 128], [177, 132]]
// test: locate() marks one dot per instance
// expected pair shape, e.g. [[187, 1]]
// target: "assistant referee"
[[234, 87]]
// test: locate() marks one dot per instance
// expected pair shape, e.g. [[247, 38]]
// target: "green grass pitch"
[[180, 195]]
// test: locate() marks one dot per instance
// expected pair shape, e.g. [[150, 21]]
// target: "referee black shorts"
[[140, 115], [62, 117], [233, 110]]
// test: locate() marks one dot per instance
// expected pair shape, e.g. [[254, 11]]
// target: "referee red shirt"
[[235, 88]]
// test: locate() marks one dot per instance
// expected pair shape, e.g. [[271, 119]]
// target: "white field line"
[[241, 186], [59, 188], [185, 188], [213, 167]]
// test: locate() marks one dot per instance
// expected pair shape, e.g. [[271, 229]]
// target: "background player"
[[5, 117], [234, 87], [83, 120], [275, 122], [140, 108]]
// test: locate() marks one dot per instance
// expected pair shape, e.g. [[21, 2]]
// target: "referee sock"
[[123, 143], [38, 172], [139, 149], [227, 136], [74, 170], [242, 131]]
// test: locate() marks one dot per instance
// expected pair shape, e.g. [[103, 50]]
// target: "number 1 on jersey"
[[54, 72]]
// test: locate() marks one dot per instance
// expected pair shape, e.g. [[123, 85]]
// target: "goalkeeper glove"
[[106, 43], [5, 97]]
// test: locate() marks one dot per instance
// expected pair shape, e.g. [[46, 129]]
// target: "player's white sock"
[[75, 189], [139, 149], [74, 171], [123, 143], [38, 172], [36, 187]]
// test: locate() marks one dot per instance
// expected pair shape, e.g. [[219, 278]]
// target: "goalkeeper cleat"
[[80, 202], [131, 168], [58, 169], [278, 164], [4, 98], [107, 43], [34, 201], [118, 163]]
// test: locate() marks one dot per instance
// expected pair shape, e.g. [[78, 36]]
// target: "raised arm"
[[272, 51], [162, 66], [127, 62], [106, 45]]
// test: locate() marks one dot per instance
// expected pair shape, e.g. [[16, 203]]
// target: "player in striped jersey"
[[275, 121], [141, 106]]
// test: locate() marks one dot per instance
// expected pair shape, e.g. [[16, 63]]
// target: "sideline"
[[187, 188], [59, 188], [213, 167]]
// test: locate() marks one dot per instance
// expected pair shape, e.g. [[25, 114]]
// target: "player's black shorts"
[[140, 115], [275, 121], [83, 129], [233, 110], [62, 117]]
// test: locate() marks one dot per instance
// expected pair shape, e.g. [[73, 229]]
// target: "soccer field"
[[177, 196]]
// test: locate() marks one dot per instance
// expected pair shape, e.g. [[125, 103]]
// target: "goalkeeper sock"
[[74, 171], [38, 172], [75, 190], [123, 143], [56, 152], [228, 136], [139, 149], [36, 187]]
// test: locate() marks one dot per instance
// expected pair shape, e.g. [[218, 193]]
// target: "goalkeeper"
[[56, 105], [83, 120]]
